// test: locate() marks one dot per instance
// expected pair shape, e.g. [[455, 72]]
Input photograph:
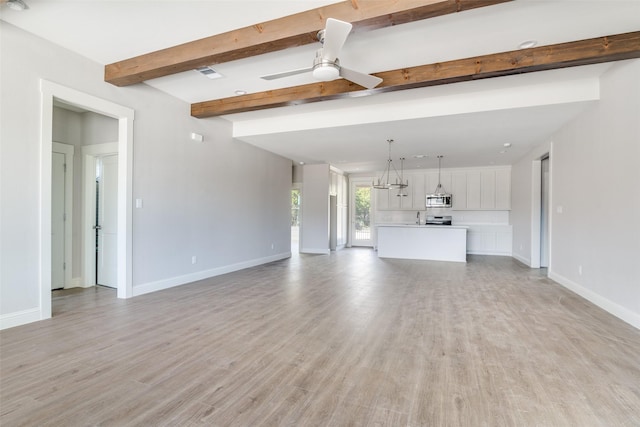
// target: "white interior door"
[[107, 221], [58, 221]]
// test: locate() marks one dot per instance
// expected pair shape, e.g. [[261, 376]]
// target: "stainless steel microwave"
[[439, 200]]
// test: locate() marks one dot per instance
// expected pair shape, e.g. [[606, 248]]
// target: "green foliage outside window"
[[363, 207], [295, 208]]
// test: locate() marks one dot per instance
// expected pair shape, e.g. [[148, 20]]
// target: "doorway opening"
[[540, 208], [544, 212], [361, 226], [295, 219], [51, 93]]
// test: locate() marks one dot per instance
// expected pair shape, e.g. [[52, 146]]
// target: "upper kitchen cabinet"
[[482, 189], [413, 199], [459, 190], [503, 189], [419, 191]]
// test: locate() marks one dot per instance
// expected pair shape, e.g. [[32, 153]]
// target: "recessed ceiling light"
[[301, 163], [241, 92], [507, 144], [527, 44], [420, 156]]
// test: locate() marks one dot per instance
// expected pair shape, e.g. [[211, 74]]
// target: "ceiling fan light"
[[326, 73], [17, 5]]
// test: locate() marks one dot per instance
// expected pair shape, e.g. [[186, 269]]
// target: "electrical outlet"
[[580, 270], [194, 259], [272, 246]]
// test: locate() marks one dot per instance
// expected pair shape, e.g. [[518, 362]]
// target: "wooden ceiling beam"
[[290, 31], [584, 52]]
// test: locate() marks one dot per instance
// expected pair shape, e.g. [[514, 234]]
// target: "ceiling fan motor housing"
[[324, 69]]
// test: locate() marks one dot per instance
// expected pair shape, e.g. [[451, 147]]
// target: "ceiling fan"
[[326, 66], [16, 4]]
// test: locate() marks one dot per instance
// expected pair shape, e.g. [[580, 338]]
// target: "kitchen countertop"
[[423, 226]]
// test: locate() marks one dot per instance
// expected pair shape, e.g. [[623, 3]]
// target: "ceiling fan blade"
[[362, 79], [286, 73], [335, 34]]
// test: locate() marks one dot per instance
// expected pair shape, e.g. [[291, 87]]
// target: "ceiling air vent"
[[209, 72]]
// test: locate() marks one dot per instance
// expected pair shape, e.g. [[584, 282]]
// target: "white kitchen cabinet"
[[381, 198], [482, 189], [459, 190], [396, 201], [419, 192], [489, 239], [488, 189], [474, 190], [503, 189]]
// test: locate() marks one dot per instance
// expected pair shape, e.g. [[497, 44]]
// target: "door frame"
[[536, 212], [353, 183], [90, 155], [49, 92], [68, 151], [298, 186]]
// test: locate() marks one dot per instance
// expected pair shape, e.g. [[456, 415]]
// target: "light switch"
[[196, 137], [138, 203]]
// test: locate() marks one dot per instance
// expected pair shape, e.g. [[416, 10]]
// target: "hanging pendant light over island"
[[386, 181]]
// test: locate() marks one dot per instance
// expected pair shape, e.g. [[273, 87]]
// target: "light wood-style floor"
[[339, 340]]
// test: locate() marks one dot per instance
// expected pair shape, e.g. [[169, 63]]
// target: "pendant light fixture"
[[439, 189], [386, 181], [439, 198], [402, 193]]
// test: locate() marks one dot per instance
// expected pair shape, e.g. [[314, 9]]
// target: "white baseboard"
[[77, 282], [18, 318], [488, 253], [617, 310], [315, 251], [171, 282], [525, 261]]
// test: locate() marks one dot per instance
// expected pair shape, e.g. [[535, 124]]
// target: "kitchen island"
[[427, 242]]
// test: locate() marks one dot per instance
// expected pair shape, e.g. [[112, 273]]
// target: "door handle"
[[97, 227]]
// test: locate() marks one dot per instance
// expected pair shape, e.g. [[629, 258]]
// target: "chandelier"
[[385, 181]]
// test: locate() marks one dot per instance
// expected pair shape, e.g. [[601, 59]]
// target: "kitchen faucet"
[[418, 216]]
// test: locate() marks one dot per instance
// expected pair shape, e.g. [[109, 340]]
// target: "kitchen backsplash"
[[458, 217]]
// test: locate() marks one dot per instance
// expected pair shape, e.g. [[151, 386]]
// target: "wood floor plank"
[[337, 340]]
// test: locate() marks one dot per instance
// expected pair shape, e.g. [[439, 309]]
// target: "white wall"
[[595, 198], [314, 226], [524, 200], [222, 200], [596, 181]]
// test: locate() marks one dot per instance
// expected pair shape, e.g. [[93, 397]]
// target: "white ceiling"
[[468, 123]]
